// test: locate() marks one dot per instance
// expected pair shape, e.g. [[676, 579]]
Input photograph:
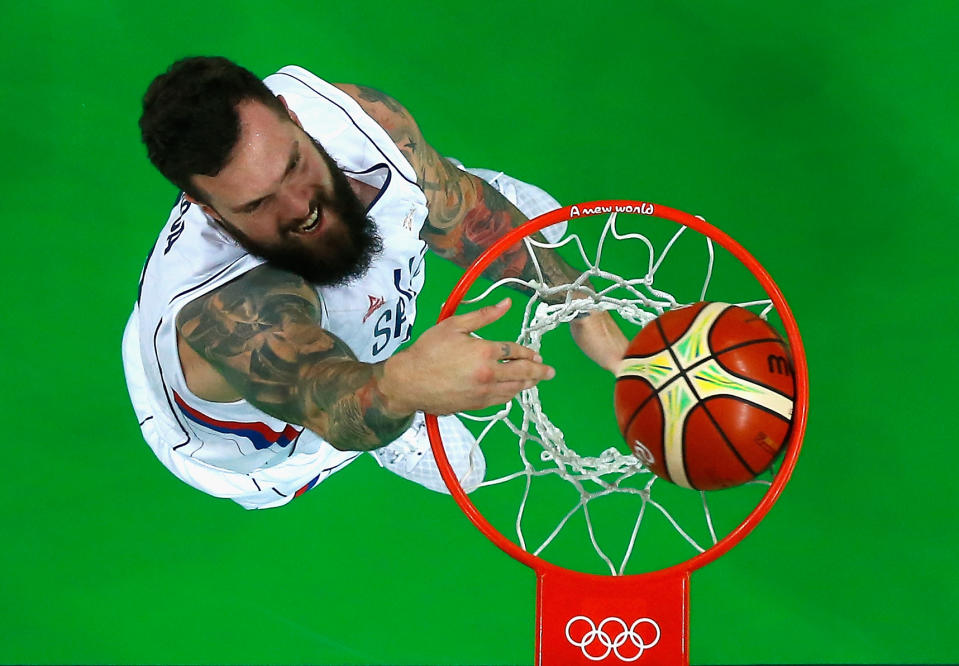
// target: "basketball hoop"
[[619, 617]]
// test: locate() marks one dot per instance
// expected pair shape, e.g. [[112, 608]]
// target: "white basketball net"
[[542, 446]]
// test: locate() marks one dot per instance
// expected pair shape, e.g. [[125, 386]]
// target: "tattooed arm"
[[467, 215], [262, 333]]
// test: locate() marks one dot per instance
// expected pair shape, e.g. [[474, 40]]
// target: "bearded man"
[[263, 352]]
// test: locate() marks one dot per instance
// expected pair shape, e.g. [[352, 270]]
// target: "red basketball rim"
[[772, 290]]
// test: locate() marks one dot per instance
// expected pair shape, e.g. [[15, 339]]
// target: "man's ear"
[[290, 111], [204, 207]]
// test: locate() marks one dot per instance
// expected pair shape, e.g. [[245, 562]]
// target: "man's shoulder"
[[383, 108], [386, 111], [312, 98], [302, 81], [390, 114], [190, 256]]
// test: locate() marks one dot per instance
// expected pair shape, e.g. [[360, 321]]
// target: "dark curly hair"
[[189, 122]]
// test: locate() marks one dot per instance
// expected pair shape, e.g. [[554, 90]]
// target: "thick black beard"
[[348, 252]]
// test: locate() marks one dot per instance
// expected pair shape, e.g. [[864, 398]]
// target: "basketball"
[[704, 395]]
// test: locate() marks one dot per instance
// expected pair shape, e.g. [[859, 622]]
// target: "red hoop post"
[[643, 618]]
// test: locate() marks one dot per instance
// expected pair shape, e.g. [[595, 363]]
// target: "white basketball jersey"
[[233, 449]]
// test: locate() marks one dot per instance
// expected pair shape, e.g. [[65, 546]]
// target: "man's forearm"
[[352, 408], [490, 218]]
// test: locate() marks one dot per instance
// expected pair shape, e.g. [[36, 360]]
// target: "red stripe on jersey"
[[289, 432]]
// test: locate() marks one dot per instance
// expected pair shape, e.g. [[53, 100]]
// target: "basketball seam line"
[[683, 372], [754, 380], [657, 391]]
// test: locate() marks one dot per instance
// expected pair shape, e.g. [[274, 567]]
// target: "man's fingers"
[[523, 371], [510, 351], [472, 321], [508, 390]]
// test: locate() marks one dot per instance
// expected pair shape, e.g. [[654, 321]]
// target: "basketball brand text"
[[779, 365]]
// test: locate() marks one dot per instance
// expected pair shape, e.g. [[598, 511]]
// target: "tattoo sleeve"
[[466, 214], [262, 332]]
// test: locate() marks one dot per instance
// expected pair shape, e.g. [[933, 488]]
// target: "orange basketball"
[[704, 395]]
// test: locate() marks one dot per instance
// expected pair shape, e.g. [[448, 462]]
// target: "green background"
[[821, 135]]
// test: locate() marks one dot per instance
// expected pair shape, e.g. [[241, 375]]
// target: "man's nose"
[[295, 202]]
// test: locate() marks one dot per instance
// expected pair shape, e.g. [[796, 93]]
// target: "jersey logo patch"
[[376, 302]]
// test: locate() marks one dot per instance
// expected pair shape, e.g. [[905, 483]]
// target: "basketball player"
[[262, 352]]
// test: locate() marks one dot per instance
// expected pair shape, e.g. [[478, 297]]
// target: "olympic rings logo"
[[612, 644]]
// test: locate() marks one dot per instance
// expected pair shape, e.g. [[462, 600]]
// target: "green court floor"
[[823, 136]]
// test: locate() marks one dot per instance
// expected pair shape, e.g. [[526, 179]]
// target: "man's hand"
[[448, 370], [600, 338]]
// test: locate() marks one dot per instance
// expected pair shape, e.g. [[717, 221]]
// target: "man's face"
[[284, 199]]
